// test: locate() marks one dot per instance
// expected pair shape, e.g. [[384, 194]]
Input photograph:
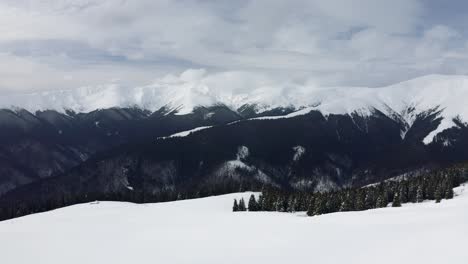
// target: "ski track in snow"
[[206, 231]]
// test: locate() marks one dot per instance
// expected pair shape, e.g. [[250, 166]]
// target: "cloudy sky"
[[61, 44]]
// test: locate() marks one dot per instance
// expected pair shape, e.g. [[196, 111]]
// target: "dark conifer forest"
[[436, 185]]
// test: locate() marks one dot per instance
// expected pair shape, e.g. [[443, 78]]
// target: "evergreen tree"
[[333, 203], [360, 201], [449, 189], [449, 192], [438, 194], [412, 192], [311, 209], [382, 201], [301, 203], [310, 202], [253, 206], [260, 203], [403, 194], [285, 205], [242, 205], [370, 200], [292, 204], [319, 206], [235, 207], [279, 204], [419, 194], [429, 190], [396, 200], [347, 203]]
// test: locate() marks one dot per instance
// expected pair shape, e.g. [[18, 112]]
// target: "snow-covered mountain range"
[[183, 134], [402, 101]]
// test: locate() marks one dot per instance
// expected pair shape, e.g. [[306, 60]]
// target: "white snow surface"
[[187, 132], [197, 88], [206, 231]]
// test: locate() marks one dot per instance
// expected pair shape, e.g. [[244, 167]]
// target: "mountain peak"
[[195, 88]]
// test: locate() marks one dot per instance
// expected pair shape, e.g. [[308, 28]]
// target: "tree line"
[[12, 207], [435, 186]]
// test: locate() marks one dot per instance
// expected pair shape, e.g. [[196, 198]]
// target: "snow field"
[[206, 231]]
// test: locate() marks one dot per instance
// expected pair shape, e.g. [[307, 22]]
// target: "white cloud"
[[363, 42]]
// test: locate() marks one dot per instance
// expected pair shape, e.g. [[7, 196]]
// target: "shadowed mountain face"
[[121, 154], [45, 144], [329, 137]]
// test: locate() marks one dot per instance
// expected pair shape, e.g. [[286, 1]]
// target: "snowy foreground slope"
[[206, 231]]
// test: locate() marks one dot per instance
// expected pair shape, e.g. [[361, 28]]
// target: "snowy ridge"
[[186, 133], [402, 101]]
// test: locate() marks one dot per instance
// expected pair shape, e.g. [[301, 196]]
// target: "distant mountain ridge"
[[140, 144], [402, 101]]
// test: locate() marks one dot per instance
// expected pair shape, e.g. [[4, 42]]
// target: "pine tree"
[[333, 203], [430, 190], [253, 206], [403, 194], [242, 205], [419, 194], [311, 200], [319, 206], [396, 200], [235, 207], [292, 204], [303, 202], [449, 189], [347, 203], [382, 201], [449, 192], [370, 200], [285, 205], [260, 203], [279, 204], [265, 201], [311, 209], [412, 192], [438, 194], [360, 201]]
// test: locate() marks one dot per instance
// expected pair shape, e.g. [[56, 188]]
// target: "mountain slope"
[[347, 137], [206, 231], [48, 143], [308, 152], [402, 101]]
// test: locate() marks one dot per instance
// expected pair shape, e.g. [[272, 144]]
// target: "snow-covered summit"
[[235, 89]]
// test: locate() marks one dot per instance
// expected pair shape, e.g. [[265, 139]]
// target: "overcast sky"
[[61, 44]]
